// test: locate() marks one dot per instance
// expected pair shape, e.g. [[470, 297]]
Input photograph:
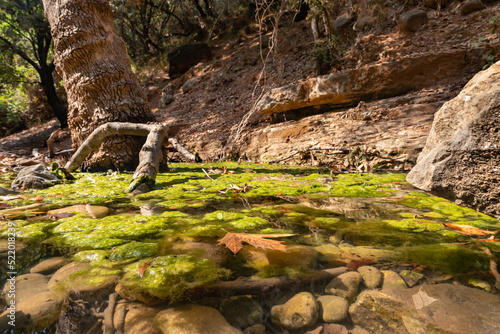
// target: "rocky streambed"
[[304, 250]]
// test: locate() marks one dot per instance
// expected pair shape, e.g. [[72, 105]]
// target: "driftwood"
[[149, 156], [248, 286]]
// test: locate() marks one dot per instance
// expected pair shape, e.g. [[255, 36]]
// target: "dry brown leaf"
[[355, 264], [233, 241], [142, 269], [468, 230]]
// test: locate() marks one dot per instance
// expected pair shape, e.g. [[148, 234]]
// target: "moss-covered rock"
[[166, 277]]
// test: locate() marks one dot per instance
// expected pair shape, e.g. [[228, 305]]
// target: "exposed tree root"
[[150, 155]]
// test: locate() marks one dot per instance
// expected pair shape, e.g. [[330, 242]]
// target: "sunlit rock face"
[[461, 159]]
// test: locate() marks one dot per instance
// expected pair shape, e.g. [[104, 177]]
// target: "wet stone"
[[345, 285], [36, 312], [299, 313], [317, 330], [255, 329], [138, 318], [392, 281], [372, 277], [334, 329], [328, 253], [67, 270], [333, 308], [359, 330], [242, 311], [193, 319], [448, 309], [411, 277], [49, 266], [26, 286], [81, 280]]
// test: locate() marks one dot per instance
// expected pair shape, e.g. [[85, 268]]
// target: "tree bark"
[[92, 60]]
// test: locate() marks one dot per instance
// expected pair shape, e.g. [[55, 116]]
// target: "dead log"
[[149, 156], [248, 286]]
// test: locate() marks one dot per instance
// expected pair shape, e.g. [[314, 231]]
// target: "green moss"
[[365, 185], [448, 210], [415, 225], [452, 259], [328, 223], [93, 240], [222, 216], [134, 250], [91, 256], [34, 232], [91, 188], [167, 277]]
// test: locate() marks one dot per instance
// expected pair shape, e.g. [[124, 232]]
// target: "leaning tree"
[[92, 59]]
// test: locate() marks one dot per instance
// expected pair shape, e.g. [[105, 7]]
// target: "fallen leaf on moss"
[[142, 269], [233, 241], [468, 230]]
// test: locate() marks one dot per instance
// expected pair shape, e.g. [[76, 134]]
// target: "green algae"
[[448, 210], [365, 185], [94, 256], [448, 258], [93, 278], [91, 188], [278, 201], [134, 250], [168, 277]]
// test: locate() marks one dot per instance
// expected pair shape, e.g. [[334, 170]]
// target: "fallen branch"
[[285, 158], [181, 149], [247, 286], [493, 266]]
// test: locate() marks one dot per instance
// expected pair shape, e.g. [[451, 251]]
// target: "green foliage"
[[328, 54], [12, 103]]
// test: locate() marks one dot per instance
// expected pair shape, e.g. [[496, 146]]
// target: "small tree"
[[92, 59], [25, 32]]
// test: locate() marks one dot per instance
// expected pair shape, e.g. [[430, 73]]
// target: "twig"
[[493, 265], [285, 158], [207, 174], [248, 286]]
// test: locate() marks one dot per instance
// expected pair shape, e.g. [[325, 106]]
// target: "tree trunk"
[[55, 103], [92, 60]]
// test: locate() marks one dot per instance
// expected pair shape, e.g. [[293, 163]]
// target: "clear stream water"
[[165, 242]]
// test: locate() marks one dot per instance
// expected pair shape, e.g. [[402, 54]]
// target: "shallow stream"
[[163, 245]]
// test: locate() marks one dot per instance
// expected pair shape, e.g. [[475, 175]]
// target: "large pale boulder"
[[439, 308], [461, 158]]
